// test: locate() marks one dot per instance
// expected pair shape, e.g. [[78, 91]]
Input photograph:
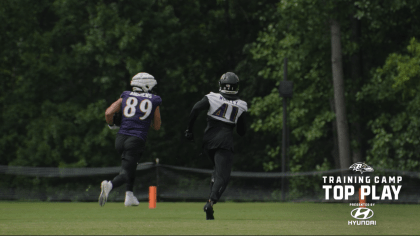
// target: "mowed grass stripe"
[[42, 218]]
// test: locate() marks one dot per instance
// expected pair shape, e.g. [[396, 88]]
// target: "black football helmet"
[[229, 83]]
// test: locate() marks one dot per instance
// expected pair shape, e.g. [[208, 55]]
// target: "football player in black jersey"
[[225, 111]]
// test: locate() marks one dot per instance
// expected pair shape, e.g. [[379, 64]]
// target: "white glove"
[[113, 127]]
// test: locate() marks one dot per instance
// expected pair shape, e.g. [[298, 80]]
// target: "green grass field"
[[41, 218]]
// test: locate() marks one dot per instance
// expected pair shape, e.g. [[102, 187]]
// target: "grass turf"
[[42, 218]]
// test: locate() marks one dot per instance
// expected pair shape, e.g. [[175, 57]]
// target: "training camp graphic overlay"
[[340, 188]]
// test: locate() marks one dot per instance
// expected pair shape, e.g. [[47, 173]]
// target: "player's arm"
[[203, 104], [241, 125], [111, 110], [156, 122]]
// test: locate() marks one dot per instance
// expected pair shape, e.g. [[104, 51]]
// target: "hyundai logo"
[[361, 213]]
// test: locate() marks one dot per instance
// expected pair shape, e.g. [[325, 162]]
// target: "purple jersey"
[[138, 110]]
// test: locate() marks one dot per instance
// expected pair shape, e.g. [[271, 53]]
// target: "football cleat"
[[130, 199], [208, 209], [106, 187]]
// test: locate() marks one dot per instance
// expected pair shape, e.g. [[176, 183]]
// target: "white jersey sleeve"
[[225, 110]]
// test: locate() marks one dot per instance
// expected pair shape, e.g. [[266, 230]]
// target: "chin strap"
[[137, 89]]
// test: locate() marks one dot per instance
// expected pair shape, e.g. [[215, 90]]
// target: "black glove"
[[189, 135], [117, 118]]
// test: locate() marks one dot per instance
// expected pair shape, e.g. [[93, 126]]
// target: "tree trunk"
[[339, 98], [334, 151], [231, 59], [356, 77]]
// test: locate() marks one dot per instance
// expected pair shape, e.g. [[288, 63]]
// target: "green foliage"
[[393, 91], [299, 30], [298, 33], [62, 63]]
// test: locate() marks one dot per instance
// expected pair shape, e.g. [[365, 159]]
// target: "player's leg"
[[212, 179], [106, 186], [126, 177], [208, 207], [223, 162], [133, 151], [127, 173], [209, 153], [223, 165]]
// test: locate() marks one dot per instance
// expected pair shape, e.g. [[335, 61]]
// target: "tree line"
[[355, 67]]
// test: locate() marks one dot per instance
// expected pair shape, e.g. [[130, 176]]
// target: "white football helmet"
[[143, 82]]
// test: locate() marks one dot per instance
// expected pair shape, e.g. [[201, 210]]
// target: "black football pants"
[[222, 162], [130, 148]]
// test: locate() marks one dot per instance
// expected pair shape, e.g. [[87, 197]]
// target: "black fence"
[[176, 183]]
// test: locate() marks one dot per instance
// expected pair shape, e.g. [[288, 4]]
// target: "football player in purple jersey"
[[133, 114], [225, 111]]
